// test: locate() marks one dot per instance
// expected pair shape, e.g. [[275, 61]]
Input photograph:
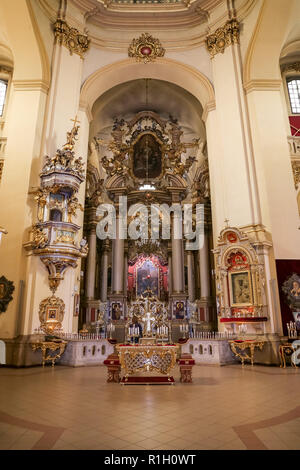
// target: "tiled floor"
[[225, 408]]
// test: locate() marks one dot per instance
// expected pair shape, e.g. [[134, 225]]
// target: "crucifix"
[[148, 319], [75, 120]]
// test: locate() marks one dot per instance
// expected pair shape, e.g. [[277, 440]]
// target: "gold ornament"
[[40, 238], [223, 37], [51, 314], [71, 38], [146, 48]]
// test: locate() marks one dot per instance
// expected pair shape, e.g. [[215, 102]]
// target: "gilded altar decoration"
[[146, 147], [51, 314], [146, 48], [6, 289], [147, 358], [223, 37], [240, 277], [76, 42]]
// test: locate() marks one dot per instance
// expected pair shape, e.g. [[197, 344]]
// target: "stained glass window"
[[294, 94], [3, 88]]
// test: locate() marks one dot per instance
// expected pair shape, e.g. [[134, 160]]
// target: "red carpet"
[[147, 381]]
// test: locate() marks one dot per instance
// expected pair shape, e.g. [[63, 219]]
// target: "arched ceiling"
[[162, 97]]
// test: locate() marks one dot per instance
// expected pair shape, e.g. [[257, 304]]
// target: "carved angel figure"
[[40, 238], [71, 138], [41, 197], [73, 205]]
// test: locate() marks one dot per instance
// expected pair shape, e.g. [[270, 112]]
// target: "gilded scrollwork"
[[76, 42], [147, 143], [73, 205], [223, 37], [51, 313], [146, 48], [39, 237]]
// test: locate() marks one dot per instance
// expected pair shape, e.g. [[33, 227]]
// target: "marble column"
[[125, 273], [204, 269], [191, 275], [104, 271], [91, 264], [117, 263], [170, 281], [177, 259]]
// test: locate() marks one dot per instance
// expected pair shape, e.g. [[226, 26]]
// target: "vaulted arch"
[[162, 69]]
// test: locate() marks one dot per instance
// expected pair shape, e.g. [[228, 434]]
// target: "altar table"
[[147, 358], [53, 346], [242, 345]]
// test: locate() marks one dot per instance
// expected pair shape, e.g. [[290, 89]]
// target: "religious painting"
[[240, 288], [51, 313], [116, 311], [179, 310], [147, 158], [147, 278], [6, 290], [291, 288]]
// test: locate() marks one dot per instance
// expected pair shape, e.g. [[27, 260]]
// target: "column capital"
[[223, 37], [71, 38]]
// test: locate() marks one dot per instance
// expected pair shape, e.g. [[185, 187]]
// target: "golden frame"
[[246, 275], [131, 156]]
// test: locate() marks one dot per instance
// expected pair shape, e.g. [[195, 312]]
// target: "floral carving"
[[223, 37]]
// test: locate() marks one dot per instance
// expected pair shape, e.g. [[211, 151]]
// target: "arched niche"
[[164, 69], [22, 35], [240, 276], [268, 39]]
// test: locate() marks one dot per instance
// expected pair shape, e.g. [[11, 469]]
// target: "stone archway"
[[167, 70]]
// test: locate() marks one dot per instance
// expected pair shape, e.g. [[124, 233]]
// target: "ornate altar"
[[140, 358], [148, 320], [240, 282]]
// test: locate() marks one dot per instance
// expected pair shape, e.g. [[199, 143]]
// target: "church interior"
[[149, 225]]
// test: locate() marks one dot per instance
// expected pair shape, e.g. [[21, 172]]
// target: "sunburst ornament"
[[146, 48]]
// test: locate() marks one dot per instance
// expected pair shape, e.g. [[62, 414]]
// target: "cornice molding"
[[101, 22], [210, 106], [262, 85], [31, 85]]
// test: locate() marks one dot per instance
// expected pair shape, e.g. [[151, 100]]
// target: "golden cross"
[[226, 222], [75, 120]]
